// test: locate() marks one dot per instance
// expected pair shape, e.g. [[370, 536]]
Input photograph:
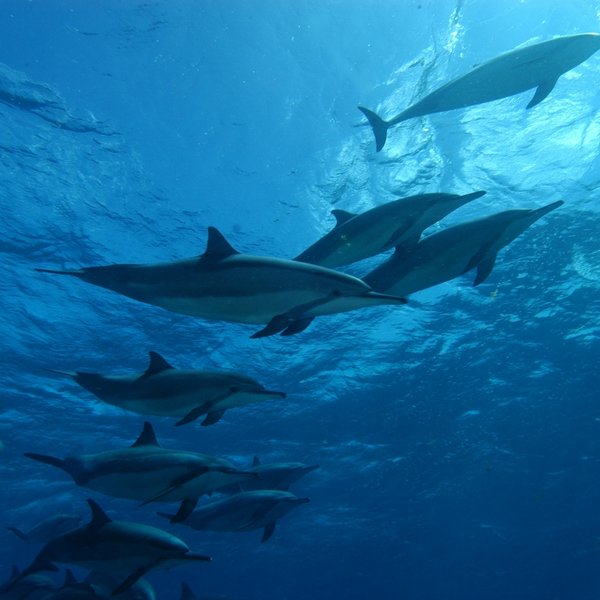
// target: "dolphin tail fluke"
[[20, 534], [378, 125]]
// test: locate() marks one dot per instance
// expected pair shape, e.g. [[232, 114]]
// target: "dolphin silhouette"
[[47, 529], [534, 66], [271, 476], [188, 594], [397, 223], [454, 251], [120, 547], [163, 390], [104, 582], [241, 512], [145, 471], [226, 285]]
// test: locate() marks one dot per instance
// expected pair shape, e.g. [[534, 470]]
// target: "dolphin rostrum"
[[271, 476], [163, 390], [145, 471], [454, 251], [241, 512], [534, 66], [397, 223], [47, 529], [119, 547], [226, 285]]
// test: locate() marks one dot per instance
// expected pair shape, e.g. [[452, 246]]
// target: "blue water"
[[458, 437]]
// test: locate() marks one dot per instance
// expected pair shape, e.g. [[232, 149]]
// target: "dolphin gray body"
[[534, 66], [397, 223], [147, 472], [271, 476], [47, 529], [163, 390], [225, 285], [245, 511], [454, 251], [129, 550]]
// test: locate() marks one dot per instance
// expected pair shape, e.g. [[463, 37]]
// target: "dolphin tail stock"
[[378, 125], [20, 534]]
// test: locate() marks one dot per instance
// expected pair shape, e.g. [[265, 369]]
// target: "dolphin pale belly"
[[397, 223], [128, 549], [225, 285], [534, 66], [162, 390], [245, 511], [454, 251], [147, 472]]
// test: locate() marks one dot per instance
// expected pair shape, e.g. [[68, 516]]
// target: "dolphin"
[[145, 471], [31, 587], [534, 66], [397, 223], [225, 285], [117, 547], [454, 251], [47, 529], [272, 476], [163, 390], [241, 512], [71, 589]]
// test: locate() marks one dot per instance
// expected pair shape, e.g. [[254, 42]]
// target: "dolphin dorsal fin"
[[157, 365], [255, 461], [186, 592], [217, 247], [341, 216], [147, 437], [99, 517]]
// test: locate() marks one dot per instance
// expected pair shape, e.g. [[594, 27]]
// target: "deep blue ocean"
[[458, 436]]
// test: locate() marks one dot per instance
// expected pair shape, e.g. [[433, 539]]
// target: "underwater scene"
[[300, 299]]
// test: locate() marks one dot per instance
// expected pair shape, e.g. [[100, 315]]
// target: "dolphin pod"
[[534, 66], [394, 224], [130, 549], [226, 285], [162, 390], [454, 251], [147, 472], [244, 511]]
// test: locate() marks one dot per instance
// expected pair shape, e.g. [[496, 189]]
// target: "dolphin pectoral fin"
[[205, 409], [378, 125], [212, 417], [192, 415], [131, 579], [177, 483], [269, 530], [297, 326], [484, 268], [185, 510], [20, 534], [275, 325], [542, 91]]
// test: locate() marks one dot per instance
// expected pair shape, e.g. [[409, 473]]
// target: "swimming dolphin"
[[226, 285], [454, 251], [31, 587], [72, 589], [119, 547], [272, 476], [397, 223], [241, 512], [535, 66], [165, 391], [145, 471], [47, 529]]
